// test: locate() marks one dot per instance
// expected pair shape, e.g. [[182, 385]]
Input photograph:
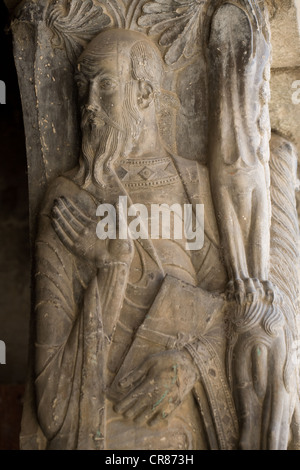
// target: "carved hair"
[[97, 157], [284, 227], [284, 253], [146, 61], [146, 64]]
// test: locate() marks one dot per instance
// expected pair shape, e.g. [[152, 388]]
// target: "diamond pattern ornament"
[[121, 172], [146, 173]]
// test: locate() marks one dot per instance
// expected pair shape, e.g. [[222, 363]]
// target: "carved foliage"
[[75, 23], [178, 22]]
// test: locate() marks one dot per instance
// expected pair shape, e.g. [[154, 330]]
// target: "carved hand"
[[77, 231], [158, 387]]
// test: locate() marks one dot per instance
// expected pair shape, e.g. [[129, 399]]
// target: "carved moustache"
[[97, 118]]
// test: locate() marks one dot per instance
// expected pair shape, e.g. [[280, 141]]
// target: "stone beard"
[[106, 134], [103, 139], [131, 346], [109, 287]]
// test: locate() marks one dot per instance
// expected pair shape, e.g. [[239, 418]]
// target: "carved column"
[[196, 76]]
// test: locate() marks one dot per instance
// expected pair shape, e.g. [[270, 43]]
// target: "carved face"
[[102, 87], [111, 116], [118, 76]]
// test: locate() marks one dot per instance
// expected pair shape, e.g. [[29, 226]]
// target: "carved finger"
[[66, 241], [159, 419], [251, 294], [158, 411], [130, 400], [239, 291], [144, 416], [77, 213], [259, 288], [135, 376], [68, 215], [137, 409], [230, 291], [269, 291], [166, 409], [152, 417], [63, 223], [125, 404]]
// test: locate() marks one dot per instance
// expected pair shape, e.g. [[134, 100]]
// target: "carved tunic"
[[183, 430], [72, 324], [89, 315]]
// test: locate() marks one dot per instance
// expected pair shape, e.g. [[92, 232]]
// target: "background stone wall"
[[14, 248], [14, 241], [285, 102]]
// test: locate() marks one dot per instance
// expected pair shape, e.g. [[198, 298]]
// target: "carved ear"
[[145, 94]]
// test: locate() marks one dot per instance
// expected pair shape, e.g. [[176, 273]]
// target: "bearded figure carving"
[[145, 339]]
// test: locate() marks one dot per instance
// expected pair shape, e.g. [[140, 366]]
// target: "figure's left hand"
[[157, 387]]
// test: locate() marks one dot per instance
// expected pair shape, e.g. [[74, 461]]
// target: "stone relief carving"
[[75, 24], [141, 342]]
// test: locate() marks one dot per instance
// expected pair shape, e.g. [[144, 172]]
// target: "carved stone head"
[[119, 78]]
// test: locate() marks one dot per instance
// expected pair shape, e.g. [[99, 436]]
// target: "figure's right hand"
[[157, 387], [77, 232]]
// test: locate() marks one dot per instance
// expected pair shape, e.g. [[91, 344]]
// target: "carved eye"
[[82, 86], [107, 84]]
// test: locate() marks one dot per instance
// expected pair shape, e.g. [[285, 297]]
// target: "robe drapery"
[[77, 310]]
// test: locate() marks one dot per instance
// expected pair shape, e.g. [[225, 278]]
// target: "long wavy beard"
[[104, 139], [100, 141]]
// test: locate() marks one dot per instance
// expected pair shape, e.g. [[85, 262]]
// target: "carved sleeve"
[[58, 356], [72, 338]]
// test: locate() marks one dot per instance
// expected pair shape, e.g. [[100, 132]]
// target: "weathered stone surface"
[[285, 33], [285, 105], [285, 27], [152, 79]]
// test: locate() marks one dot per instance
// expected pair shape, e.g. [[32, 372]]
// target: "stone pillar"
[[168, 103]]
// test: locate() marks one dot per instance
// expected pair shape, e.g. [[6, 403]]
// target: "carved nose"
[[90, 105], [93, 96], [90, 108]]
